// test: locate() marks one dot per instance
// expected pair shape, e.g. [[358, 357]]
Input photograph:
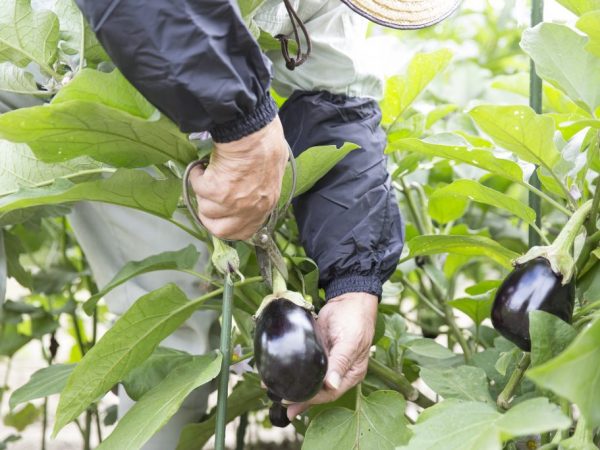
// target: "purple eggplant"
[[289, 355], [278, 415], [531, 286]]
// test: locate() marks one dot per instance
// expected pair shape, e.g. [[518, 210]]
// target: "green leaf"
[[110, 89], [152, 371], [560, 59], [574, 373], [472, 190], [17, 81], [72, 25], [456, 425], [520, 130], [482, 158], [377, 423], [184, 259], [247, 395], [11, 340], [19, 168], [549, 336], [3, 274], [580, 7], [429, 348], [130, 341], [131, 188], [65, 130], [156, 407], [402, 90], [438, 113], [478, 309], [463, 383], [22, 418], [590, 24], [47, 381], [311, 166], [27, 35], [461, 245]]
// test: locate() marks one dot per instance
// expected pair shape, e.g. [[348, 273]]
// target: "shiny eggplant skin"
[[278, 415], [532, 286], [288, 352]]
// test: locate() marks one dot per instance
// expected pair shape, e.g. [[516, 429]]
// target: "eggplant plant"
[[494, 306]]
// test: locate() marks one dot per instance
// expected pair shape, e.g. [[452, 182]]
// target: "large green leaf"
[[110, 89], [482, 158], [66, 130], [461, 245], [377, 423], [472, 190], [157, 406], [19, 168], [27, 35], [520, 130], [184, 259], [131, 188], [457, 425], [560, 59], [590, 24], [72, 25], [152, 371], [47, 381], [402, 90], [549, 336], [478, 309], [580, 7], [574, 373], [462, 382], [247, 395], [17, 81], [311, 166], [130, 341]]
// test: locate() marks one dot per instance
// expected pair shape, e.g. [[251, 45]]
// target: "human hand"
[[347, 324], [242, 183]]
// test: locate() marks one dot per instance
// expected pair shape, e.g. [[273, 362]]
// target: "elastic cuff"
[[236, 129], [369, 284]]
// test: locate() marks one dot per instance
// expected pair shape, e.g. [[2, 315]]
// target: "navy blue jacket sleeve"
[[194, 60], [349, 221]]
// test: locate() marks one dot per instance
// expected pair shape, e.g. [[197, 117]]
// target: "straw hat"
[[404, 14]]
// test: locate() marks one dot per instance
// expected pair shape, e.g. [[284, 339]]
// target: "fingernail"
[[285, 402], [334, 380]]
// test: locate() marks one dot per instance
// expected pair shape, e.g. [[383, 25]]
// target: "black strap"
[[292, 63]]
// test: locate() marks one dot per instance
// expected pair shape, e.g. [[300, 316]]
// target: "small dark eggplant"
[[531, 286], [278, 415], [288, 351]]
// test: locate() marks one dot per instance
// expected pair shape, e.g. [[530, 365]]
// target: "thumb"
[[341, 358]]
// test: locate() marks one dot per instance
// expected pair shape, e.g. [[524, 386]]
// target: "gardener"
[[198, 63]]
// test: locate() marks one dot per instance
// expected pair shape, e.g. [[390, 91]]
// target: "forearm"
[[195, 61], [349, 221]]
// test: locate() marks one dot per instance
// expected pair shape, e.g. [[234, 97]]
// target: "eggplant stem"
[[505, 397], [225, 348]]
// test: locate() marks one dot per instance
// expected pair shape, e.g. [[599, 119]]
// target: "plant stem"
[[78, 332], [5, 383], [241, 432], [456, 331], [398, 382], [225, 348], [98, 425], [507, 393], [87, 430], [546, 197], [422, 298], [44, 423], [565, 238], [411, 205]]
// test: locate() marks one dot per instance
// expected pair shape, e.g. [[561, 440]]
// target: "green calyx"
[[559, 252], [225, 258]]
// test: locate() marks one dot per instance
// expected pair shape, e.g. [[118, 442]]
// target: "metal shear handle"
[[271, 222]]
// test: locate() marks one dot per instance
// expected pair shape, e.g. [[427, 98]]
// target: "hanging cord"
[[292, 63]]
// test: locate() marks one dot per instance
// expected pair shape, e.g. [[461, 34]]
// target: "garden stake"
[[535, 101]]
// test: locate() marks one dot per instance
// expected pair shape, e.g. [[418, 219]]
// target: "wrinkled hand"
[[347, 325], [242, 183]]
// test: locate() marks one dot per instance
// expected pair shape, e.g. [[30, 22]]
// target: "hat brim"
[[404, 25]]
